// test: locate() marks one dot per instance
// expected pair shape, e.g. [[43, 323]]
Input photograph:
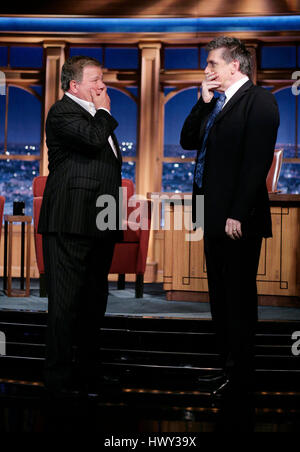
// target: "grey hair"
[[234, 49], [73, 69]]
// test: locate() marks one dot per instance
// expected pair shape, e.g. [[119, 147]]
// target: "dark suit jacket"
[[82, 166], [239, 154]]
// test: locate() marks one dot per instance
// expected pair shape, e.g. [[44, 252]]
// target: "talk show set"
[[150, 220]]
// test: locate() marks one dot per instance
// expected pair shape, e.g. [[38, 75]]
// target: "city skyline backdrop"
[[24, 116]]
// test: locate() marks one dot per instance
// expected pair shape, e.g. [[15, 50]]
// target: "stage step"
[[157, 365], [149, 350]]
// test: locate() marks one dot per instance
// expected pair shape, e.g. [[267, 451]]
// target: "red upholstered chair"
[[130, 255], [38, 187], [2, 202], [274, 172]]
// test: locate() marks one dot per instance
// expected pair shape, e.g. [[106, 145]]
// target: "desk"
[[278, 277], [8, 243]]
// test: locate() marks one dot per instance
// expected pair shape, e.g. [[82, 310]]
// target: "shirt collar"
[[235, 87], [88, 106]]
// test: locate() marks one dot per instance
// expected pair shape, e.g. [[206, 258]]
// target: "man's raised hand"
[[209, 85], [101, 100]]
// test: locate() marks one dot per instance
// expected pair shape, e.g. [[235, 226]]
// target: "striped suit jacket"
[[82, 166]]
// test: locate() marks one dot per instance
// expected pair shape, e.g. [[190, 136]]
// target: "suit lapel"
[[70, 102], [234, 99]]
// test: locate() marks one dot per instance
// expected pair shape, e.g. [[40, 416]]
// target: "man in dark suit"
[[235, 135], [84, 163]]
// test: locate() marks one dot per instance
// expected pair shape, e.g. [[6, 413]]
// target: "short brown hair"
[[73, 69], [234, 49]]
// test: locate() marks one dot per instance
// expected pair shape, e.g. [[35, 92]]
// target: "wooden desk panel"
[[278, 272], [279, 268]]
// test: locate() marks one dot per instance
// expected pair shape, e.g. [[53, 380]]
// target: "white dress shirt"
[[90, 107], [234, 88]]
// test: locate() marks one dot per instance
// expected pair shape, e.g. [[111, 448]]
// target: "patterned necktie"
[[201, 156]]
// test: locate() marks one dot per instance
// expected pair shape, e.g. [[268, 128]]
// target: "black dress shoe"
[[223, 388], [62, 394], [92, 390], [231, 390], [213, 376]]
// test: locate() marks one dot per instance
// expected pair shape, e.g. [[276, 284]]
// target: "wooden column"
[[149, 165], [252, 50], [55, 57], [150, 137]]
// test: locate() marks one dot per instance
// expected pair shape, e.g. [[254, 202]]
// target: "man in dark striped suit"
[[84, 163]]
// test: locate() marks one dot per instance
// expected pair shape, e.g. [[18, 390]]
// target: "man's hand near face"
[[101, 100], [209, 85]]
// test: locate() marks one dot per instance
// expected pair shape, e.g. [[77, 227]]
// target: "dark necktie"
[[201, 156]]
